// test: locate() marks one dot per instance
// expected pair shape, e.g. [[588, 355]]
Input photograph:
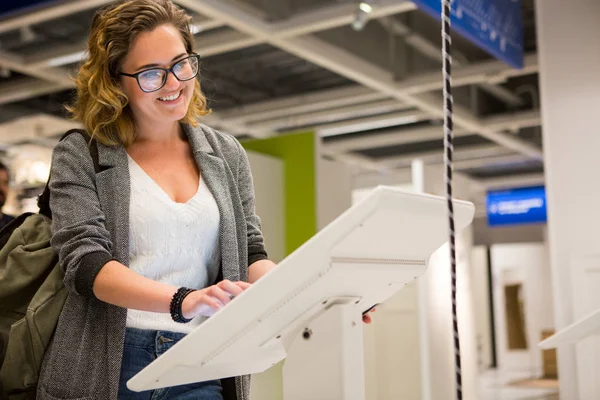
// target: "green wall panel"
[[297, 150]]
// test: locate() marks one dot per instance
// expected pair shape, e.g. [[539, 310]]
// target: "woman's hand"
[[367, 318], [223, 292]]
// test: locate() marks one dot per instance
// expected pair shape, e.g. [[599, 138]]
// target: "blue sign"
[[496, 26], [517, 206], [10, 7]]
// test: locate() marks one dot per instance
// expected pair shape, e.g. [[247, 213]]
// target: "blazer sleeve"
[[79, 234], [256, 246]]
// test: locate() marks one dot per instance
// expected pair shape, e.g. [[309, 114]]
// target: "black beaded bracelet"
[[176, 302]]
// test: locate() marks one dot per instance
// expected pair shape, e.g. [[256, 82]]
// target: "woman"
[[172, 208]]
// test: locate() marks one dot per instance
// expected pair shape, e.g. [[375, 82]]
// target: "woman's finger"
[[209, 301], [230, 287], [220, 294], [243, 285]]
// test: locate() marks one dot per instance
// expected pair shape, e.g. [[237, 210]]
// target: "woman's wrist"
[[176, 308]]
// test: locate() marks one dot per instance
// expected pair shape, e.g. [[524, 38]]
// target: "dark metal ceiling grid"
[[262, 72], [69, 29]]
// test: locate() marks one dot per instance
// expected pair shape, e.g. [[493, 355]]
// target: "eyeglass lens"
[[154, 79]]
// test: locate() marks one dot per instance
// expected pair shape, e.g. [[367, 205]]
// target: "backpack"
[[32, 294]]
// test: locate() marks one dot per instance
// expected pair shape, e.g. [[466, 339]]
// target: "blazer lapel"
[[215, 173]]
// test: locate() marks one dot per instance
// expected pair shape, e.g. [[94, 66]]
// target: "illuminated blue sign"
[[496, 26], [516, 206]]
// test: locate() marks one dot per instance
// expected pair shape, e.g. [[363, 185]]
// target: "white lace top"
[[171, 242]]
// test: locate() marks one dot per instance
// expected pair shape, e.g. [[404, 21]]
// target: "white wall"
[[435, 302], [569, 55], [409, 352], [525, 264], [392, 349], [334, 191], [268, 176], [334, 186], [392, 341]]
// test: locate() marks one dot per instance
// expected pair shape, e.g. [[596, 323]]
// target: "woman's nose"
[[172, 82]]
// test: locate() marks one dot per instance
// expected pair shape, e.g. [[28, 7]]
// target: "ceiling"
[[274, 66]]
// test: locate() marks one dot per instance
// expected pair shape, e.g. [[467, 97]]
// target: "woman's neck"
[[159, 134]]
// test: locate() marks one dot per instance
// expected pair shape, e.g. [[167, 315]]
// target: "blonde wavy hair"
[[100, 104]]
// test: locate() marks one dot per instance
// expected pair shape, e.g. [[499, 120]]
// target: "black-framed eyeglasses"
[[153, 79]]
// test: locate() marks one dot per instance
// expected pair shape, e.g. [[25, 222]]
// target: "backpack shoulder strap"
[[44, 198]]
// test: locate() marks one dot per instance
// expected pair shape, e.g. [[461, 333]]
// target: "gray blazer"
[[91, 227]]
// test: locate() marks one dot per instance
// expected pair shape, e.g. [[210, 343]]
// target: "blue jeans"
[[144, 346]]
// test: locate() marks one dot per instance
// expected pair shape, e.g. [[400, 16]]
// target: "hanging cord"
[[448, 149]]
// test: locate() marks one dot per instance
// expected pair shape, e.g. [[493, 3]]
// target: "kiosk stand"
[[309, 309], [585, 327]]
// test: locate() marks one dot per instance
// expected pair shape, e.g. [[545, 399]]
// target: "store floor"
[[495, 385]]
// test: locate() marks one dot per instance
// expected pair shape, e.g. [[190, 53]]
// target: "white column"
[[569, 54], [435, 303]]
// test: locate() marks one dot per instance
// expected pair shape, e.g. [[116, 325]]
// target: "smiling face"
[[162, 48]]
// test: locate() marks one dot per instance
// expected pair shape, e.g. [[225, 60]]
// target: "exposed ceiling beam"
[[18, 64], [352, 67], [432, 51], [390, 138], [301, 104], [404, 136], [219, 42], [502, 93], [56, 56], [436, 156], [489, 161], [222, 42], [355, 68], [334, 16], [515, 120], [208, 44], [34, 127], [203, 24], [56, 11], [300, 46], [75, 53], [485, 72], [329, 115], [24, 89], [368, 123], [322, 100]]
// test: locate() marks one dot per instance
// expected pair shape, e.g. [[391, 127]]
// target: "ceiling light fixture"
[[366, 7], [358, 126], [362, 15], [66, 59]]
